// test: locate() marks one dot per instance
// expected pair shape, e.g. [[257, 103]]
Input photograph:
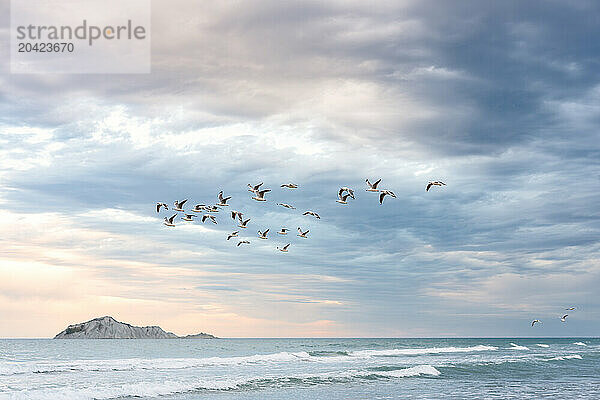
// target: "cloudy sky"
[[501, 100]]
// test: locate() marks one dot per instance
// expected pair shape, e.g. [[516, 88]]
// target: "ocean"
[[329, 369]]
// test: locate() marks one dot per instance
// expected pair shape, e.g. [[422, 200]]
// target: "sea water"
[[180, 369]]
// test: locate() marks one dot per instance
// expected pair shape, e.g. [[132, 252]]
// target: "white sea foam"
[[542, 345], [580, 344], [569, 357], [518, 347], [155, 389], [427, 350]]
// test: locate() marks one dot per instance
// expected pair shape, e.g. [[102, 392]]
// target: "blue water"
[[300, 369]]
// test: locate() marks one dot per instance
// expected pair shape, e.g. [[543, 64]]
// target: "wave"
[[166, 388], [569, 357], [580, 344], [542, 345], [428, 350], [517, 347]]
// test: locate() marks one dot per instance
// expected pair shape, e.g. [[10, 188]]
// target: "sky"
[[500, 100]]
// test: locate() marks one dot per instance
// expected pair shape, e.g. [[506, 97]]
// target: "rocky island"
[[109, 328]]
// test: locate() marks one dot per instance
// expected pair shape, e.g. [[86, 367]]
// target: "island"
[[109, 328]]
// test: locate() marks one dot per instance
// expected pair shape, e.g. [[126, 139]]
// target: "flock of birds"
[[344, 194], [562, 319], [208, 211]]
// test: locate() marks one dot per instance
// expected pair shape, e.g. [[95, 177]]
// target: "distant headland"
[[109, 328]]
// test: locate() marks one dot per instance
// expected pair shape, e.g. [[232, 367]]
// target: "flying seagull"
[[254, 188], [169, 221], [284, 248], [385, 193], [342, 199], [346, 189], [302, 234], [243, 242], [260, 195], [223, 200], [159, 205], [208, 216], [434, 183], [534, 321], [263, 235], [290, 186], [373, 186], [188, 217], [314, 214], [283, 231], [232, 234], [564, 318], [286, 206], [179, 205], [243, 223], [570, 308]]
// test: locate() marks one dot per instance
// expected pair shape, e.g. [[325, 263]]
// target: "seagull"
[[169, 221], [263, 235], [284, 248], [208, 216], [232, 234], [283, 231], [211, 209], [314, 214], [179, 205], [570, 308], [237, 214], [260, 195], [302, 234], [223, 200], [199, 208], [384, 193], [564, 318], [243, 223], [373, 186], [159, 205], [342, 199], [286, 206], [254, 188], [434, 183], [188, 217], [243, 242], [346, 189], [290, 186], [534, 321]]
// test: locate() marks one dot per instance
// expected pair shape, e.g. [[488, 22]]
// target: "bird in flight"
[[243, 242], [223, 200], [179, 205], [169, 221], [570, 308], [260, 195], [346, 189], [290, 186], [342, 199], [254, 188], [236, 214], [314, 214], [564, 318], [208, 216], [302, 234], [283, 231], [372, 187], [285, 205], [159, 205], [385, 193], [243, 223], [188, 217], [263, 235], [434, 183], [232, 234], [284, 248], [534, 322]]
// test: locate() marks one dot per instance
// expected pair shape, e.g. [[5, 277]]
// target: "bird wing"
[[265, 232], [220, 196], [286, 246], [428, 186], [181, 203], [300, 231], [381, 196], [376, 183], [158, 205], [565, 316], [340, 192], [172, 218]]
